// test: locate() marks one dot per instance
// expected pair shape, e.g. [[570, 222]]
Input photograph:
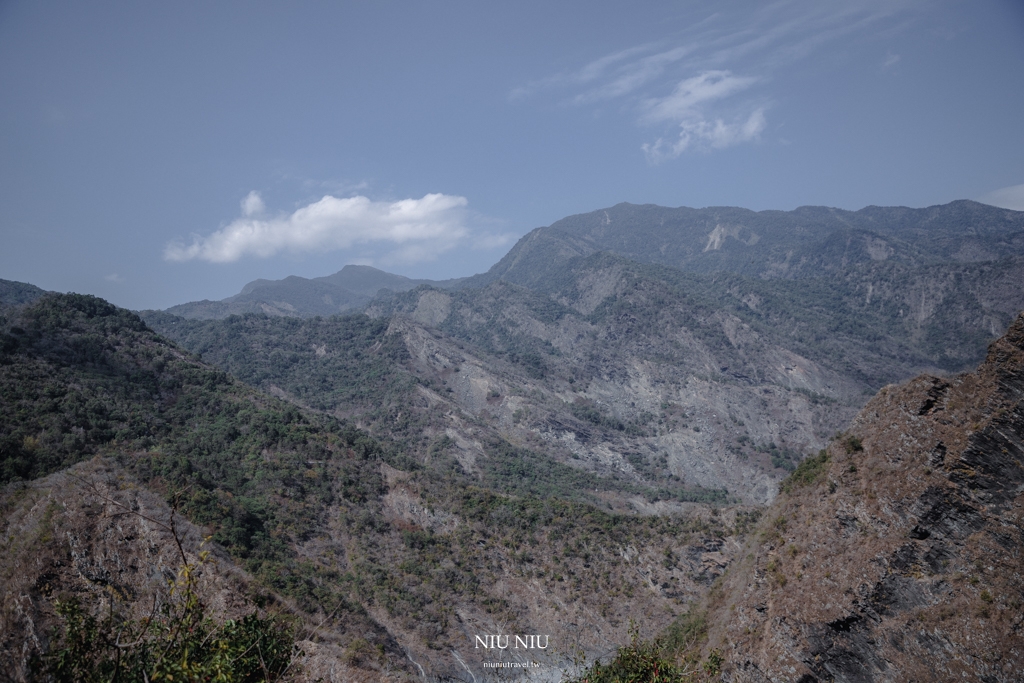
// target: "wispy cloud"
[[597, 69], [686, 106], [700, 133], [409, 230], [708, 86], [632, 75], [691, 93], [1006, 198]]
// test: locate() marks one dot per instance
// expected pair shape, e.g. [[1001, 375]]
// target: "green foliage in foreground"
[[640, 661], [178, 642], [671, 659], [806, 472]]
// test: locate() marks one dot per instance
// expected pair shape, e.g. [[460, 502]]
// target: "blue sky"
[[157, 153]]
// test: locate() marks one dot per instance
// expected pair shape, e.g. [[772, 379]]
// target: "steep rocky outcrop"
[[902, 559], [653, 386]]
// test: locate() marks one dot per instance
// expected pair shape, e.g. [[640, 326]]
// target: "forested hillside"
[[398, 560]]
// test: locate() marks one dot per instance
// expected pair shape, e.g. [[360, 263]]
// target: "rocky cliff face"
[[902, 560], [651, 387]]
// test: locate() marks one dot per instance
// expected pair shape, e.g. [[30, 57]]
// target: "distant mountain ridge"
[[808, 242], [346, 291]]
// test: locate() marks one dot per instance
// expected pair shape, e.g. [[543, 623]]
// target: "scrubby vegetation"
[[807, 472], [128, 592], [87, 378], [673, 657], [523, 472], [178, 641], [351, 365], [325, 363], [298, 498]]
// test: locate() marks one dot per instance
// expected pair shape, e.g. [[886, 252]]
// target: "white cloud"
[[685, 80], [1006, 198], [686, 106], [685, 100], [697, 133], [252, 204], [113, 277], [414, 229]]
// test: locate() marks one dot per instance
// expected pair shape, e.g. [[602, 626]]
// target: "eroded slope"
[[902, 560]]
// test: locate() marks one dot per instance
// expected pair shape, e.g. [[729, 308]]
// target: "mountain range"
[[679, 425], [712, 347], [809, 242]]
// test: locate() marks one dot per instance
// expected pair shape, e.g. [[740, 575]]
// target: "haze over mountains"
[[584, 435], [808, 242], [715, 346]]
